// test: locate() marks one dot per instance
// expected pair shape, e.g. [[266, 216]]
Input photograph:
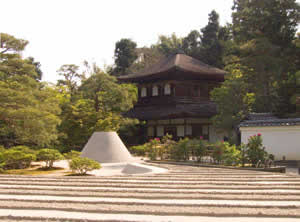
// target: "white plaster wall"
[[279, 141]]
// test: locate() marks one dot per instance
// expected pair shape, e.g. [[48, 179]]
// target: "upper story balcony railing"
[[171, 100]]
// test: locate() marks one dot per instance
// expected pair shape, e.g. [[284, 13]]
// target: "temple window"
[[155, 91], [143, 92], [196, 91], [160, 131], [180, 131], [167, 89], [188, 130], [150, 131]]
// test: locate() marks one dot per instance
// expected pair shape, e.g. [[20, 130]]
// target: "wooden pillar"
[[298, 104]]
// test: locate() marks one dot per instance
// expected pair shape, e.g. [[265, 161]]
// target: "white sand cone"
[[106, 147]]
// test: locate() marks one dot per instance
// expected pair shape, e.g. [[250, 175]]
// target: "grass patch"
[[39, 171], [35, 169], [77, 174]]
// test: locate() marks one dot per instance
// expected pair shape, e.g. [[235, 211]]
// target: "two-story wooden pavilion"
[[174, 97]]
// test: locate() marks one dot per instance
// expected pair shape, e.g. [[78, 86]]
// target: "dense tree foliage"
[[275, 20], [95, 105], [264, 31], [28, 108], [169, 45], [235, 88], [125, 55], [191, 44], [264, 45], [146, 58], [211, 48], [38, 114], [207, 45]]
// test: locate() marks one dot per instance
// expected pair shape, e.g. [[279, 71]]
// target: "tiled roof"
[[267, 119], [180, 62], [261, 116]]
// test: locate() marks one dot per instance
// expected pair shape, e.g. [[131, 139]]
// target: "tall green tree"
[[211, 50], [147, 58], [97, 106], [125, 55], [38, 69], [11, 61], [28, 108], [235, 88], [276, 20], [265, 31], [169, 45], [191, 44], [72, 78]]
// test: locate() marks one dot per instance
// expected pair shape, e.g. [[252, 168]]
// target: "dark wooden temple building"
[[174, 97]]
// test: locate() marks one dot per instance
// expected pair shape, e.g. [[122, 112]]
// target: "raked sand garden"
[[178, 193]]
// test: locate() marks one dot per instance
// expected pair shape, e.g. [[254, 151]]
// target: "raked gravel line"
[[162, 189], [156, 181], [171, 202], [158, 190], [149, 178], [59, 216], [131, 208], [154, 195], [158, 176], [162, 184], [152, 184]]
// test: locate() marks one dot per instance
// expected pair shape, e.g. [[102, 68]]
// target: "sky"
[[71, 31]]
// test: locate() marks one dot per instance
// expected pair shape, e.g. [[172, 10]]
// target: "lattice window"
[[143, 92], [155, 91], [167, 89]]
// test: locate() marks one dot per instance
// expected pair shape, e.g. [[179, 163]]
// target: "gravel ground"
[[204, 185], [154, 209], [192, 192], [154, 195]]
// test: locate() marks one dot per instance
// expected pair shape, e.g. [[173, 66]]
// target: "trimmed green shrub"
[[16, 159], [72, 154], [181, 150], [152, 148], [2, 149], [167, 146], [82, 165], [24, 149], [198, 148], [138, 150], [255, 150], [49, 156], [218, 152], [243, 154], [2, 162], [231, 154]]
